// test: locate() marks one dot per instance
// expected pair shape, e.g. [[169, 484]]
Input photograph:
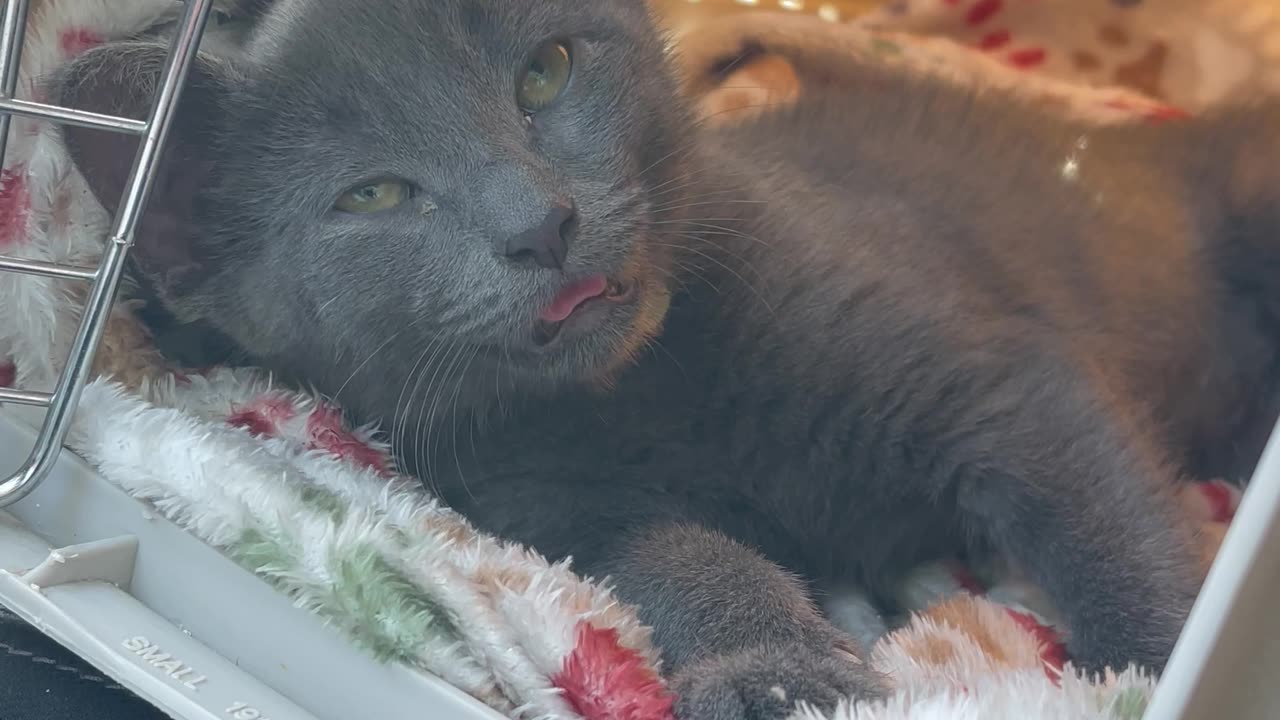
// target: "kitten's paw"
[[1149, 653], [767, 683], [1144, 637]]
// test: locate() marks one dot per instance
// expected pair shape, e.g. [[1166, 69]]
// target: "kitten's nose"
[[547, 243]]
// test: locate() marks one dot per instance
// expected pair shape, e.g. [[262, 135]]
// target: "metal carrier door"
[[61, 403]]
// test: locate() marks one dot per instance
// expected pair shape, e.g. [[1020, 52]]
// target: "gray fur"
[[897, 330]]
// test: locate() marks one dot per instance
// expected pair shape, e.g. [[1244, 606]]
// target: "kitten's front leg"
[[739, 635]]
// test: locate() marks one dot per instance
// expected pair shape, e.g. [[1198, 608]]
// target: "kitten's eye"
[[545, 77], [374, 197]]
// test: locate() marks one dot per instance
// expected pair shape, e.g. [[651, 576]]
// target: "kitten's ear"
[[121, 79]]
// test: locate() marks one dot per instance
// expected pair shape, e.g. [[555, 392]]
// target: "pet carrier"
[[201, 638]]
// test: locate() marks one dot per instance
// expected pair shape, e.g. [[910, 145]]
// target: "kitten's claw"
[[768, 683]]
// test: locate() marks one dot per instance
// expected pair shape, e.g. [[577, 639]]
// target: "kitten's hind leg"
[[1062, 485]]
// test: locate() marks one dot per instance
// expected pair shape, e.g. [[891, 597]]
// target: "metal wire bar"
[[11, 35], [37, 267], [66, 394], [21, 397], [68, 116]]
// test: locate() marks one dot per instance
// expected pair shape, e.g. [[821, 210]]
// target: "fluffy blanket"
[[273, 477]]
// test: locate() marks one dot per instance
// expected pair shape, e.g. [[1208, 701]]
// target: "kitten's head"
[[394, 188]]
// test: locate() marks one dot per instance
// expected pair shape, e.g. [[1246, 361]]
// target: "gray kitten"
[[726, 367]]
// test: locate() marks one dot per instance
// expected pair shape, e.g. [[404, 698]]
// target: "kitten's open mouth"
[[575, 298]]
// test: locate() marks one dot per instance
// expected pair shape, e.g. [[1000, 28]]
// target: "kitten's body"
[[896, 318], [874, 350]]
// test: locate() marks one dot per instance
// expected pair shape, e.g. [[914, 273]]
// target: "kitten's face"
[[426, 183]]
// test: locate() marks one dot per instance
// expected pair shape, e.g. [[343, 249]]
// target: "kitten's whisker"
[[757, 106], [729, 270], [424, 430], [664, 188], [672, 207], [705, 237], [437, 347], [511, 379], [457, 390], [701, 220], [413, 438], [409, 379], [689, 188], [705, 169], [437, 416], [713, 229], [695, 138], [497, 382], [338, 395], [655, 343], [677, 279], [683, 147], [698, 274]]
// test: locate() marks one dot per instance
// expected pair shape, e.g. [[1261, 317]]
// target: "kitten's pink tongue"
[[573, 295]]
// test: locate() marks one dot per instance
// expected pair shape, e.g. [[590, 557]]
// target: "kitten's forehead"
[[411, 31], [378, 85]]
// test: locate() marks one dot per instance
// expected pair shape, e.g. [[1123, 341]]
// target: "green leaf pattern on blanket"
[[1130, 704], [379, 608], [397, 615], [265, 553], [323, 500]]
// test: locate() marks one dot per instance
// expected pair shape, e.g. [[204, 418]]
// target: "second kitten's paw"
[[767, 683]]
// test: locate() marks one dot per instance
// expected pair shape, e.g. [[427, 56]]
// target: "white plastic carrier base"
[[177, 622]]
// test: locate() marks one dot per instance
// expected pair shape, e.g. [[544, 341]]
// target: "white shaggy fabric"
[[1011, 696]]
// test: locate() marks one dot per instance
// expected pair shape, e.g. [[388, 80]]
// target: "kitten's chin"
[[649, 310], [616, 343]]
